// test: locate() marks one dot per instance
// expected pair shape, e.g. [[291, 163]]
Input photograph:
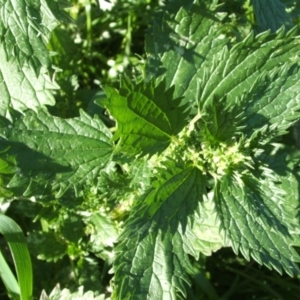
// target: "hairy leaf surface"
[[152, 258], [56, 152]]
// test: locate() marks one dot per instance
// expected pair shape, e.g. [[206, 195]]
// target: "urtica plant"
[[196, 156]]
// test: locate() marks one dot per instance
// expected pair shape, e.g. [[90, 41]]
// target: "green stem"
[[88, 24]]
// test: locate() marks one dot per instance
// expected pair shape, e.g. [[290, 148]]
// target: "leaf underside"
[[188, 50]]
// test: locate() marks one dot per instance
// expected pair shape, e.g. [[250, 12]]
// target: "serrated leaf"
[[65, 294], [276, 101], [56, 153], [147, 116], [254, 221], [152, 258], [213, 124], [21, 88], [270, 14], [181, 42], [204, 68], [25, 26], [272, 96]]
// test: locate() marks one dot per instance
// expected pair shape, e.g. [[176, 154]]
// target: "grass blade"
[[18, 247]]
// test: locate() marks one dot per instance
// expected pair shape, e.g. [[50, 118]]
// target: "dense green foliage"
[[133, 174]]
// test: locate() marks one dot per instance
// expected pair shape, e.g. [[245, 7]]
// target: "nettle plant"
[[196, 160]]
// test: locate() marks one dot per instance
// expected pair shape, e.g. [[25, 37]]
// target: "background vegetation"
[[104, 41]]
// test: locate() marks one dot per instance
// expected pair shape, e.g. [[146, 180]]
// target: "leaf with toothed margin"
[[284, 161], [152, 257], [255, 216], [53, 153], [147, 116], [188, 49], [182, 41]]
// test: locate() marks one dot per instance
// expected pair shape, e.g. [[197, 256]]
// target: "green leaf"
[[255, 216], [233, 73], [205, 236], [18, 247], [147, 116], [47, 246], [21, 88], [270, 14], [213, 124], [25, 26], [56, 153], [189, 50], [72, 228], [140, 172], [152, 258], [280, 160], [275, 101], [182, 41], [104, 233], [8, 167], [7, 164], [65, 294]]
